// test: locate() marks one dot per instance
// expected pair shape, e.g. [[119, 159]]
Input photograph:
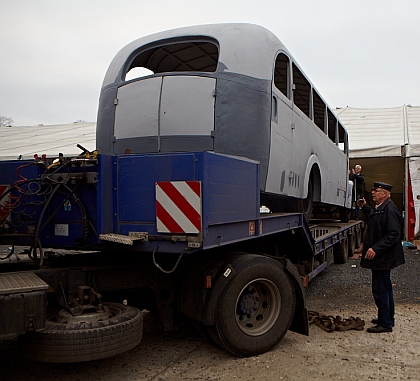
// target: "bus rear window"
[[281, 74], [192, 55]]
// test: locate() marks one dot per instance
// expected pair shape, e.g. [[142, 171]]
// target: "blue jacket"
[[383, 236]]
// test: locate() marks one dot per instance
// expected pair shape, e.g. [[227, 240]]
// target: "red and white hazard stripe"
[[3, 188], [178, 207], [4, 211]]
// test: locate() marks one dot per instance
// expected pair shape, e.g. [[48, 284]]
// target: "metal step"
[[14, 283], [124, 239], [23, 302]]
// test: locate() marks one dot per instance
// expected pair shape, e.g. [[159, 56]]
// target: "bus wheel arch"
[[313, 191], [316, 181]]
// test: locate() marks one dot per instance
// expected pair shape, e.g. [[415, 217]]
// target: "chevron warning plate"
[[4, 212], [178, 207]]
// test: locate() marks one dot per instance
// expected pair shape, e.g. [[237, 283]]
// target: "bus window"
[[137, 72], [192, 55], [302, 91], [319, 111], [342, 138], [332, 126], [281, 74]]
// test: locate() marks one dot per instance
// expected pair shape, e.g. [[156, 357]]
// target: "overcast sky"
[[357, 53]]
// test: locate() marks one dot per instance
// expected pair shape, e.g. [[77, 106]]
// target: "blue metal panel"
[[273, 223], [230, 189], [24, 213], [106, 201], [8, 171], [137, 175], [60, 212], [67, 227]]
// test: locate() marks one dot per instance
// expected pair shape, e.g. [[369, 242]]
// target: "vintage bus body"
[[232, 89]]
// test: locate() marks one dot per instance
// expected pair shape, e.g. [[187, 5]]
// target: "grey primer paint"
[[242, 123], [211, 89]]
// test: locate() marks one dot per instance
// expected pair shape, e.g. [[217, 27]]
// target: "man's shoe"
[[378, 329], [376, 321]]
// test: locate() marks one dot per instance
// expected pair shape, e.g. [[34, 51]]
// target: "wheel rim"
[[65, 317], [258, 307]]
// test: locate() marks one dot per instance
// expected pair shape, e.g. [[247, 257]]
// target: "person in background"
[[358, 179], [382, 251]]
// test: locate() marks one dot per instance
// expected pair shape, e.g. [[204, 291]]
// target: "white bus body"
[[232, 89]]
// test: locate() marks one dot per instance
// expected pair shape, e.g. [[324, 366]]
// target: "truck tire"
[[341, 251], [256, 307], [344, 214], [351, 244], [67, 343], [358, 238]]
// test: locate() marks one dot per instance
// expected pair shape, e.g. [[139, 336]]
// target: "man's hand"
[[361, 202], [370, 254]]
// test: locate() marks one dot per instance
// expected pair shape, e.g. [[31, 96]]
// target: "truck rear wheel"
[[358, 238], [344, 214], [341, 250], [352, 244], [255, 309], [67, 343]]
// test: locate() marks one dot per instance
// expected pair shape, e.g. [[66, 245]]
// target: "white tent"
[[24, 142], [386, 142]]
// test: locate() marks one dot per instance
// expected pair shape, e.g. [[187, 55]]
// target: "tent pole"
[[405, 200], [406, 154]]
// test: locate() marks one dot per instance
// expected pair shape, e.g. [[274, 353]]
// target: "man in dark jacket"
[[382, 251]]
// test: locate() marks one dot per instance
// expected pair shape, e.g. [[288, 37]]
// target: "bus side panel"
[[281, 148], [242, 117], [309, 140]]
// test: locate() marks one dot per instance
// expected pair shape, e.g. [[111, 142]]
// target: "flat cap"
[[385, 186]]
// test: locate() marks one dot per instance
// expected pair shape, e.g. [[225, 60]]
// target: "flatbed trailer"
[[183, 234]]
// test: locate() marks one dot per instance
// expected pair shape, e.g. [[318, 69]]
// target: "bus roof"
[[243, 48]]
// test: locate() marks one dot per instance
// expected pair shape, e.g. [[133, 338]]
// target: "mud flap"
[[300, 322]]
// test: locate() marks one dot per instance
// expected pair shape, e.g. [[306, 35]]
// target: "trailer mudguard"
[[300, 322]]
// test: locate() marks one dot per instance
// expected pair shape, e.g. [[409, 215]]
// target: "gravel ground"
[[351, 355]]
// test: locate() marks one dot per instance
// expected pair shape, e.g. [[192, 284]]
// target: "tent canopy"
[[24, 142], [386, 143], [382, 132], [373, 132]]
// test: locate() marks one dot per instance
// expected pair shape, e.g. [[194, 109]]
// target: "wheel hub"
[[258, 307], [249, 304], [92, 316]]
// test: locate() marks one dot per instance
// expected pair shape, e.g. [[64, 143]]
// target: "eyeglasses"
[[377, 191]]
